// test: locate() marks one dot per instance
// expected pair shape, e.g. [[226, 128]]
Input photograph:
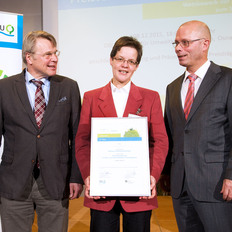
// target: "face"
[[195, 55], [39, 63], [122, 66]]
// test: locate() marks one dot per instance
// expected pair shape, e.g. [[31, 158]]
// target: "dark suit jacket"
[[99, 103], [201, 146], [52, 143]]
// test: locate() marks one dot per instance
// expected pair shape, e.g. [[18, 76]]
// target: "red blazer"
[[99, 103]]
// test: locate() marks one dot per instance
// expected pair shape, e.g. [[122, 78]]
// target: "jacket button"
[[38, 136], [33, 161]]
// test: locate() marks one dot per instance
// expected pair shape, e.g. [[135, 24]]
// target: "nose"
[[178, 47], [125, 63], [54, 57]]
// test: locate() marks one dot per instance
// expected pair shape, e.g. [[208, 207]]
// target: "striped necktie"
[[190, 95], [40, 104]]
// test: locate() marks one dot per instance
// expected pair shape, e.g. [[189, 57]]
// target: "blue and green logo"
[[2, 74], [11, 32], [7, 30]]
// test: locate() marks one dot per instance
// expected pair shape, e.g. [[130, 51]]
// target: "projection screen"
[[87, 30]]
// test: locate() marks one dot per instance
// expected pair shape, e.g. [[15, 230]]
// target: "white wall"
[[50, 17]]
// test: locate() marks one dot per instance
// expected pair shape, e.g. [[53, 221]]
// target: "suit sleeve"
[[167, 166], [1, 120], [74, 121], [82, 142], [158, 140], [228, 174]]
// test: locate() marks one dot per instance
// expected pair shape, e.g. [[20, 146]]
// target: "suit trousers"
[[102, 221], [18, 215], [198, 216]]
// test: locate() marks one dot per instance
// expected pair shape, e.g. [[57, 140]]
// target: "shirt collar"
[[200, 72], [29, 77], [125, 88]]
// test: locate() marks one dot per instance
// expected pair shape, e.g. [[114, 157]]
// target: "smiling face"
[[195, 55], [38, 64], [121, 68]]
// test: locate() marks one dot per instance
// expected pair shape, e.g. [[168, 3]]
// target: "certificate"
[[119, 164]]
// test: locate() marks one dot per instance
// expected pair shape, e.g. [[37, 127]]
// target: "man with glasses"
[[119, 98], [198, 117], [39, 116]]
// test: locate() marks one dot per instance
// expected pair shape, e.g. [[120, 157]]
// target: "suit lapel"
[[106, 102], [177, 96], [53, 98], [207, 84], [134, 102], [23, 96]]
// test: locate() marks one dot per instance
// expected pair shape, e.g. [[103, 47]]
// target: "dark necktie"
[[190, 95], [40, 104]]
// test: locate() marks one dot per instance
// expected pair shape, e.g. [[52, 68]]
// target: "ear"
[[29, 58], [206, 44]]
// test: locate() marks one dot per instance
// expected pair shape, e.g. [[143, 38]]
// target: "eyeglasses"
[[48, 55], [121, 60], [184, 43]]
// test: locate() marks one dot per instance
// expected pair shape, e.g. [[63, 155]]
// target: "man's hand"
[[227, 190], [75, 190]]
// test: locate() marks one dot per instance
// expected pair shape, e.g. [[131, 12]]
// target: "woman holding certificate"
[[116, 155]]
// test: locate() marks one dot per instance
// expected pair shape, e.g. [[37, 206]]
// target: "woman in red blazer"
[[119, 98]]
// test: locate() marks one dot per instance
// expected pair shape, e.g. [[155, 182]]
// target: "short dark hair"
[[127, 41]]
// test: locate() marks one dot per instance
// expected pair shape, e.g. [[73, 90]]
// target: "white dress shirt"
[[31, 88], [200, 76], [120, 97]]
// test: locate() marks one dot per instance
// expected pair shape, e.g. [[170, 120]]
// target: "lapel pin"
[[138, 111]]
